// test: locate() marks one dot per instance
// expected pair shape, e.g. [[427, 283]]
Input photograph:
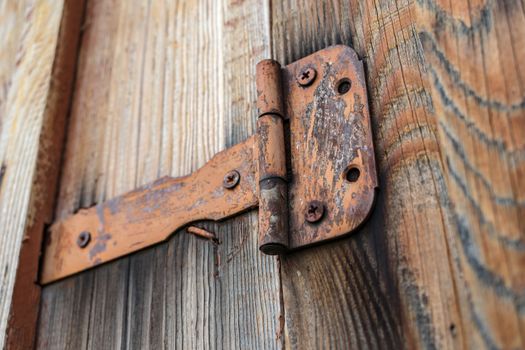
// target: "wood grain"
[[25, 303], [389, 285], [475, 55], [37, 59], [161, 88]]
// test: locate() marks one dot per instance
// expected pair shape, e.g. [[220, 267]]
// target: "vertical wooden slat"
[[38, 56], [161, 87], [475, 53], [389, 285], [69, 309]]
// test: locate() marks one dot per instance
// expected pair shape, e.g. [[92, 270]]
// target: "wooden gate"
[[100, 97]]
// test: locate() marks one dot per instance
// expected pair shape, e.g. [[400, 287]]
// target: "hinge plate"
[[331, 178], [331, 147]]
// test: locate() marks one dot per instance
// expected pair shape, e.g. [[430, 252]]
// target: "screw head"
[[306, 76], [231, 179], [83, 239], [314, 211]]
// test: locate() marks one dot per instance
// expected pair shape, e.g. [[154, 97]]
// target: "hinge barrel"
[[273, 187]]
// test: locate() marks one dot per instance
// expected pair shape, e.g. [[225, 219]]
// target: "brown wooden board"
[[475, 71], [389, 285]]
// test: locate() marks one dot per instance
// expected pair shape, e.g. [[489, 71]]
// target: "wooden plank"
[[475, 56], [390, 285], [37, 57], [26, 295], [161, 87]]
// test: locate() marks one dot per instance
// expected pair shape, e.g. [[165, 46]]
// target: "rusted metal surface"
[[273, 216], [200, 232], [273, 189], [330, 192], [314, 212], [306, 76], [330, 133], [273, 193], [150, 214], [272, 152], [231, 179], [269, 88]]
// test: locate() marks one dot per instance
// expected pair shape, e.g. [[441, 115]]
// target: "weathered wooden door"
[[153, 88]]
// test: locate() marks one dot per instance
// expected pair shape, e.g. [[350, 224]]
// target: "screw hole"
[[343, 86], [83, 239], [452, 328], [352, 174]]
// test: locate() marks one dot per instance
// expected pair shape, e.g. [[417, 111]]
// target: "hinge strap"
[[150, 214]]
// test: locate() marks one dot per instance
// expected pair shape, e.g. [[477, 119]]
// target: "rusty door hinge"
[[310, 169]]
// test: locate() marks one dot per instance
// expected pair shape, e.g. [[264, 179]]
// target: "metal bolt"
[[306, 76], [314, 211], [231, 179], [83, 239]]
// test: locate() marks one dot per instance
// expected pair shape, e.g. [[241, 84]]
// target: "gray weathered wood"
[[36, 68]]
